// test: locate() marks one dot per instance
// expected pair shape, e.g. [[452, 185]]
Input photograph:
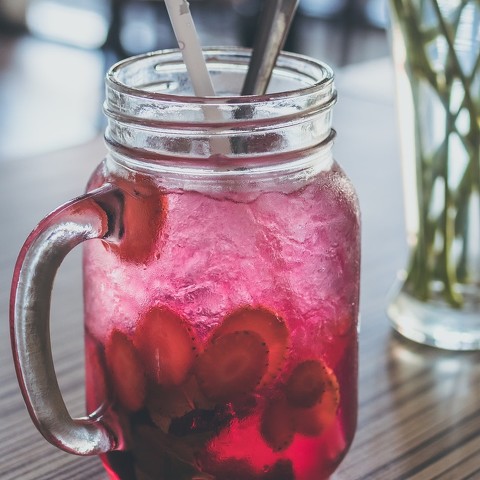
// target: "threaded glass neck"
[[154, 117]]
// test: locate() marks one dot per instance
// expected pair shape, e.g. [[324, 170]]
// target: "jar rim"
[[153, 114], [320, 74]]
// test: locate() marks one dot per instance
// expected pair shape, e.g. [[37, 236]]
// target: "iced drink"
[[222, 329]]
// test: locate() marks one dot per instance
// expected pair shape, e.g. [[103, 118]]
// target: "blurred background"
[[54, 54]]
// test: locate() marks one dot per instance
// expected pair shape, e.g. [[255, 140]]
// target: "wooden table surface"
[[419, 408]]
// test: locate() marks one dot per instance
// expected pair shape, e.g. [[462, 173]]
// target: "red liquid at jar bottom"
[[223, 345], [258, 435]]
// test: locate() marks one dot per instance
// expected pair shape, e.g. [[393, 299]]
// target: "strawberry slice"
[[165, 404], [126, 371], [306, 384], [314, 420], [166, 345], [271, 328], [168, 402], [143, 216], [192, 391], [277, 426], [95, 374], [232, 365]]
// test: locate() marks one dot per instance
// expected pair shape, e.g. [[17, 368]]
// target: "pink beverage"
[[230, 351], [221, 293]]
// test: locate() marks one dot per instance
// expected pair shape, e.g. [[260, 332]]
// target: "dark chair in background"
[[136, 26]]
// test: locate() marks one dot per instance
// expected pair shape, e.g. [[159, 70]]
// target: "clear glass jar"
[[221, 302]]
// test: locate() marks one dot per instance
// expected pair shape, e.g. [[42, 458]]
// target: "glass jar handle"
[[84, 218]]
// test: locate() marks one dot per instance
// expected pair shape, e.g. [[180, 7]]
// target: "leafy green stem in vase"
[[442, 70]]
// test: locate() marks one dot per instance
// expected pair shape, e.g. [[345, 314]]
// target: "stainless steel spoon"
[[275, 21]]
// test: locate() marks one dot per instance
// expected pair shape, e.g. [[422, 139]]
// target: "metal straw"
[[275, 21]]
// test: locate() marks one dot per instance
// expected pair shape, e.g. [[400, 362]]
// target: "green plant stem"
[[431, 261]]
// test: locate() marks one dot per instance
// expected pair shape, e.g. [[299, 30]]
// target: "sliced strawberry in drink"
[[306, 384], [232, 365], [195, 396], [165, 404], [314, 420], [168, 402], [277, 426], [143, 216], [271, 328], [166, 345], [95, 374], [126, 371]]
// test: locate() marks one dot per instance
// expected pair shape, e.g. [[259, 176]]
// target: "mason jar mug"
[[221, 280]]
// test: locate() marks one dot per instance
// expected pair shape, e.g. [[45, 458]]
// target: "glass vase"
[[436, 51], [221, 309]]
